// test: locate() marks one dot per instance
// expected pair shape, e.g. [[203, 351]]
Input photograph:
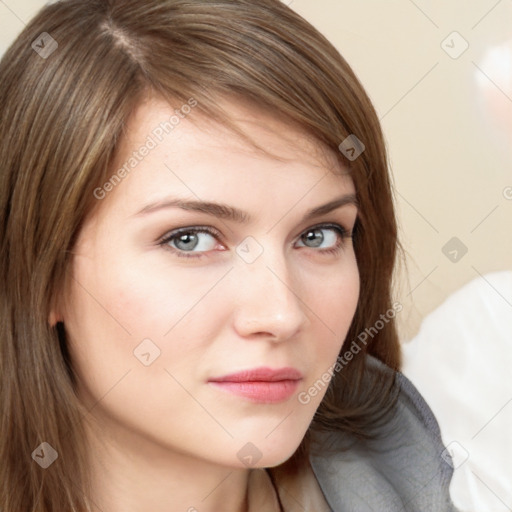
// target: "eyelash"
[[164, 242]]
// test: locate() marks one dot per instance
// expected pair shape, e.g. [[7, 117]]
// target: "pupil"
[[316, 237], [186, 239]]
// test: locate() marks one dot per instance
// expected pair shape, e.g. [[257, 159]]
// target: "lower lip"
[[261, 392]]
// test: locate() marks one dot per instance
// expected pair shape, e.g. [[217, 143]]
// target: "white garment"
[[461, 362]]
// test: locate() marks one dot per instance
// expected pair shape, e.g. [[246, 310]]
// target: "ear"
[[54, 318], [57, 309]]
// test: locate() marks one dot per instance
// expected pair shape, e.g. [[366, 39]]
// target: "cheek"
[[126, 326], [336, 301], [333, 310], [120, 310]]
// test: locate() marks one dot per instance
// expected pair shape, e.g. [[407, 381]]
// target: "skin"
[[162, 438]]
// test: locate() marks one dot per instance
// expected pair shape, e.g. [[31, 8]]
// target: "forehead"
[[281, 139], [196, 156]]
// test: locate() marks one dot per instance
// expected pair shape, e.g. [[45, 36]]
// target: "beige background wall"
[[447, 116]]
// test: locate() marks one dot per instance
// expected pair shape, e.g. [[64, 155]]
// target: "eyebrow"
[[230, 213]]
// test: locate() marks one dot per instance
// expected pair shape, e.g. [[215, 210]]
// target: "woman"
[[198, 240]]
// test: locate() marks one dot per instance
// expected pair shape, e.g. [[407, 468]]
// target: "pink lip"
[[261, 385]]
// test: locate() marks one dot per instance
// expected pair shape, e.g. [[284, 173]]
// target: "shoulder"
[[404, 468]]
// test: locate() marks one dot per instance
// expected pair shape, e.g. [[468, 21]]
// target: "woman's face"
[[199, 342]]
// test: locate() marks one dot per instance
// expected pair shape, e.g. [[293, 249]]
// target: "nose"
[[269, 302]]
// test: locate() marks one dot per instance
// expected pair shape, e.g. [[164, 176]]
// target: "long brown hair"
[[68, 85]]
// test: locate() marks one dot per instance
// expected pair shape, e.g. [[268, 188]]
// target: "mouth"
[[260, 385]]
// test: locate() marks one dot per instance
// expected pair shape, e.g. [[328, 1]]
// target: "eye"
[[332, 236], [190, 240], [193, 242]]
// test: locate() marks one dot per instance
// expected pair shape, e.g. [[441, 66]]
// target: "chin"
[[268, 452], [277, 460]]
